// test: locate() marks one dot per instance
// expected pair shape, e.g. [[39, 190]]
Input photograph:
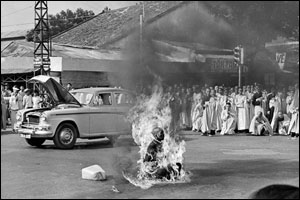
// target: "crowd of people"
[[19, 98], [222, 110], [204, 109]]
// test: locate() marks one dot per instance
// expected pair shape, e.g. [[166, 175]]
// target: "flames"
[[148, 113]]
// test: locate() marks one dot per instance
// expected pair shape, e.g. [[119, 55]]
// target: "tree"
[[258, 22], [63, 21]]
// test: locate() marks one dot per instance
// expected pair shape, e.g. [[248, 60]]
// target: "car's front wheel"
[[36, 142], [65, 136]]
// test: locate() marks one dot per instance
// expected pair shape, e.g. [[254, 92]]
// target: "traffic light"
[[238, 53]]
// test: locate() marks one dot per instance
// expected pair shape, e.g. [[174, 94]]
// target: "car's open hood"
[[58, 93]]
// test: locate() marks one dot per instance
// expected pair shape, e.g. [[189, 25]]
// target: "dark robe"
[[255, 97]]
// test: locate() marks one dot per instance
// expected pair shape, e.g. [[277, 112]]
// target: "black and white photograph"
[[149, 99]]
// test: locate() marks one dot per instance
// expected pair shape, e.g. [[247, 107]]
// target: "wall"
[[85, 79]]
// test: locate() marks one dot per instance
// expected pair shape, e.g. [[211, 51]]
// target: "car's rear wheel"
[[65, 136], [37, 142]]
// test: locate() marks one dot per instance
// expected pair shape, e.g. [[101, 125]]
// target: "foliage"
[[63, 21]]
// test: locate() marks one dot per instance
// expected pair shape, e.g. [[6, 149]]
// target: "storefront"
[[17, 71]]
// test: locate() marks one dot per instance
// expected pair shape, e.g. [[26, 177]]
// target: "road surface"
[[222, 167]]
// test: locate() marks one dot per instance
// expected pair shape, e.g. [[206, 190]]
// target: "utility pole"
[[241, 65], [238, 54], [141, 36], [41, 38]]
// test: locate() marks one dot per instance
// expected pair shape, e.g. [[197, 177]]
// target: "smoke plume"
[[188, 23]]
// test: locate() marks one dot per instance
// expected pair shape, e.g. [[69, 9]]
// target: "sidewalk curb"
[[7, 131]]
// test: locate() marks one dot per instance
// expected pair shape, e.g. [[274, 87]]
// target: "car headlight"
[[19, 116], [43, 118]]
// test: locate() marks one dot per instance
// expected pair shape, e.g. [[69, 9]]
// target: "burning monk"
[[152, 158]]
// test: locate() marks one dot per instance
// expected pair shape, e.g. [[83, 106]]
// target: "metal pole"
[[141, 41], [240, 75], [241, 65], [141, 37]]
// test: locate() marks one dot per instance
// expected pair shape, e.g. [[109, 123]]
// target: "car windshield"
[[83, 97]]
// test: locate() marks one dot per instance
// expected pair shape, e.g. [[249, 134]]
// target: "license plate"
[[25, 136]]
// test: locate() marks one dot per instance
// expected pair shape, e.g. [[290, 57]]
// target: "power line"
[[16, 11], [17, 24]]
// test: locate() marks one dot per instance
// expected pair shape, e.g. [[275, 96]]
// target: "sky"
[[19, 15]]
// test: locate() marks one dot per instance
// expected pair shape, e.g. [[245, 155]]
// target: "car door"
[[102, 114], [123, 103]]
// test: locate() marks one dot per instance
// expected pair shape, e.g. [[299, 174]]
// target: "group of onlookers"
[[229, 110], [205, 109], [16, 99]]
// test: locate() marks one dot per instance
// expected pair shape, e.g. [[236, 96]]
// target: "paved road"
[[222, 167]]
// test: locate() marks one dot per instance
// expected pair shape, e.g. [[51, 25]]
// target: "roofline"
[[53, 37], [13, 38], [75, 46], [7, 46], [147, 22], [272, 44]]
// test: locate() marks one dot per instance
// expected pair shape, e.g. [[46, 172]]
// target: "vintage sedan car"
[[88, 113]]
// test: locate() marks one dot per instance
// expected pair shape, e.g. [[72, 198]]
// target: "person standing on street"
[[243, 120], [36, 100], [221, 103], [249, 95], [197, 116], [69, 87], [289, 100], [6, 93], [14, 106], [3, 112], [294, 124], [207, 113], [270, 104], [21, 94], [257, 100], [27, 99], [213, 111]]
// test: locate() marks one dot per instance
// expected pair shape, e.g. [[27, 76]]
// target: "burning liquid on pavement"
[[161, 160]]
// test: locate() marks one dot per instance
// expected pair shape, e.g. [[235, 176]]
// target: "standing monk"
[[249, 95], [21, 95], [243, 120], [206, 119], [294, 124], [220, 104], [213, 110], [175, 105], [257, 100]]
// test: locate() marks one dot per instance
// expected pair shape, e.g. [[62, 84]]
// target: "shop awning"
[[15, 65], [21, 65]]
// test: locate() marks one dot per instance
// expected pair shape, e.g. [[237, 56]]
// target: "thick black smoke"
[[188, 23]]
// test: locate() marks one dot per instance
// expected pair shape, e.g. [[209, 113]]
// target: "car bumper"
[[34, 132]]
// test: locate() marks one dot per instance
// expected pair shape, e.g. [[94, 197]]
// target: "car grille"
[[32, 119]]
